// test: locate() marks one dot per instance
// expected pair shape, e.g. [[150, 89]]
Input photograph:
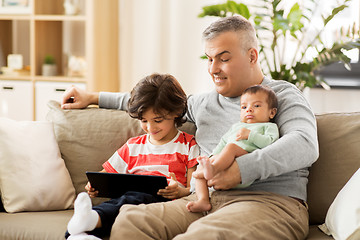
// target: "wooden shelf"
[[91, 35], [59, 18]]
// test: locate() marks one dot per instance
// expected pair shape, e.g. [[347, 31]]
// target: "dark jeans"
[[109, 210]]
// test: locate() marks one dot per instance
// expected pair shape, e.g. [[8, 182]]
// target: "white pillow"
[[33, 176], [343, 217]]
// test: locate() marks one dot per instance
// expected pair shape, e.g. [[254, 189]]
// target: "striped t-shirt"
[[139, 156]]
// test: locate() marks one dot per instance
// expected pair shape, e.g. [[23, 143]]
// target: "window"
[[336, 75]]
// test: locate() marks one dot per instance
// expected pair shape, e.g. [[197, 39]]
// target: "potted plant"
[[49, 67], [276, 27]]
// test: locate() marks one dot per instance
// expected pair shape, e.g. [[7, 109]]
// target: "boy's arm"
[[186, 191]]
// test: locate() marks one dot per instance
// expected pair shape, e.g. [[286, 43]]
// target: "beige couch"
[[87, 138]]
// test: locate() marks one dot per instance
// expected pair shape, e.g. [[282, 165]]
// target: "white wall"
[[334, 100], [163, 36]]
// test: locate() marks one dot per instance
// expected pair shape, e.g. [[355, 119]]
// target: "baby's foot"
[[84, 218], [198, 206], [208, 168], [83, 236]]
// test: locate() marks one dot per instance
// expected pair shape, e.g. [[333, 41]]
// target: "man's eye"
[[158, 121], [224, 60]]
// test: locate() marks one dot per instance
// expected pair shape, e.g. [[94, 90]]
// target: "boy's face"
[[255, 108], [161, 129]]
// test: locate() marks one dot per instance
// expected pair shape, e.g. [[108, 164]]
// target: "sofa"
[[88, 137]]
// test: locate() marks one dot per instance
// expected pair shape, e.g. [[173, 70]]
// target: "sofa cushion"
[[34, 225], [339, 141], [33, 177], [88, 137], [343, 217]]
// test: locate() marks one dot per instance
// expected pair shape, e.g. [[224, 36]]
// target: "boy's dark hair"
[[161, 92], [271, 99]]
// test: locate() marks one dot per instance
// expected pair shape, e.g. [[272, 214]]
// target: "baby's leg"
[[209, 171], [202, 192], [222, 161], [84, 218]]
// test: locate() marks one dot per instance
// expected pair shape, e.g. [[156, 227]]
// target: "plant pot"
[[49, 70]]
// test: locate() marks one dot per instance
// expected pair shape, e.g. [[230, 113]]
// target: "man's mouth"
[[219, 79]]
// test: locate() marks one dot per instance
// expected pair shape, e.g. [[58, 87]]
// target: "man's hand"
[[226, 179], [75, 97]]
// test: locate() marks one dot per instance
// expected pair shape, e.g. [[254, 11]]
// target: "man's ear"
[[253, 54]]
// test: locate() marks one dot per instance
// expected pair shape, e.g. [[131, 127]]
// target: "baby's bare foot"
[[198, 206]]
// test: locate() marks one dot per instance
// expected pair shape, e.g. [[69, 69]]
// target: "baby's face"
[[255, 108]]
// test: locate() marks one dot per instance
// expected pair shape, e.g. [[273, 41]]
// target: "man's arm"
[[75, 97]]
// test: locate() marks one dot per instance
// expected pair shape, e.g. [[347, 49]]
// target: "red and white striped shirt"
[[139, 156]]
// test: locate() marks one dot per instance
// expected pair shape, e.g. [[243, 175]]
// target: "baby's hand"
[[173, 190], [91, 191], [243, 134]]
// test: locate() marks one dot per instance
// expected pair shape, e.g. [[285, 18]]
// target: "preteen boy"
[[159, 102]]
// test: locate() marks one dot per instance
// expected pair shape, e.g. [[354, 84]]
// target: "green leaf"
[[294, 18], [335, 11]]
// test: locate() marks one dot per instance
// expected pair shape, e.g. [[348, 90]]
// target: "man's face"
[[228, 64]]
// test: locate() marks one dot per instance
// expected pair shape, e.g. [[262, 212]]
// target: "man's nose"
[[214, 67]]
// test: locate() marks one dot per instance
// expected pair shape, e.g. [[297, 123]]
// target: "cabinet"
[[90, 37], [16, 100]]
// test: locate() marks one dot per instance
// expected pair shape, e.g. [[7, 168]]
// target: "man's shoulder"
[[202, 100], [203, 96], [280, 85]]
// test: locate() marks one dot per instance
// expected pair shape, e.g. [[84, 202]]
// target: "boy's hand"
[[173, 190], [91, 191], [243, 134]]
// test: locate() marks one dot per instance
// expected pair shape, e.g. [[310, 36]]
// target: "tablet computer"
[[113, 185]]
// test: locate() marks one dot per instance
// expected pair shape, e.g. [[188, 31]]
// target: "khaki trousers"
[[234, 215]]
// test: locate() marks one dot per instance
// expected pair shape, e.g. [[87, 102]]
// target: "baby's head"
[[161, 93], [258, 104]]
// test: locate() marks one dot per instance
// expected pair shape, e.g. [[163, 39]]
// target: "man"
[[273, 206]]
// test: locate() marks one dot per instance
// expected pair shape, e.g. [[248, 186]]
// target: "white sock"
[[84, 218], [83, 236]]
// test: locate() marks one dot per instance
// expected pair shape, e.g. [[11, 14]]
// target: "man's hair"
[[271, 96], [161, 92], [236, 24]]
